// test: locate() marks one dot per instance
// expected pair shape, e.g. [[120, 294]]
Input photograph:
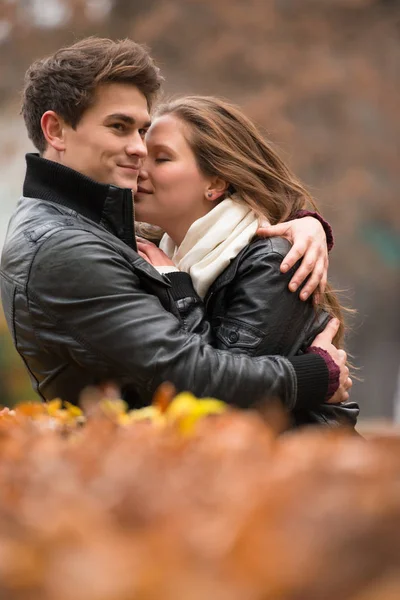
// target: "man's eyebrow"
[[127, 119]]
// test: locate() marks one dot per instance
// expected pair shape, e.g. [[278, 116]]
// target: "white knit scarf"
[[212, 242]]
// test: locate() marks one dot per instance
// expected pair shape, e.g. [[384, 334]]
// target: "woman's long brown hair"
[[228, 145]]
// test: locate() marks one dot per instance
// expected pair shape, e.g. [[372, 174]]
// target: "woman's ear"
[[53, 128], [216, 188]]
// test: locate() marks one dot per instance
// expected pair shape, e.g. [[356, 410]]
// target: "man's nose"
[[136, 146]]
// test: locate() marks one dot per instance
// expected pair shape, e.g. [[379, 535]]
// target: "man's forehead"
[[121, 99]]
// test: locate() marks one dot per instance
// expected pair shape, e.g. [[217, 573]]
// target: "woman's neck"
[[178, 230]]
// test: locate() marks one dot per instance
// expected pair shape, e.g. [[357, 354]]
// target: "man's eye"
[[118, 126], [142, 132]]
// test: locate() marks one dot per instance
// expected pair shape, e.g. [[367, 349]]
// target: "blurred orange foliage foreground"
[[111, 505]]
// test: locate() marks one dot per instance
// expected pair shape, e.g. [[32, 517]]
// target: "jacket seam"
[[294, 385], [56, 373], [15, 340], [14, 335], [250, 328], [10, 279]]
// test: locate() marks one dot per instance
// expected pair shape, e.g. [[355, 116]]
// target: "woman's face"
[[172, 192]]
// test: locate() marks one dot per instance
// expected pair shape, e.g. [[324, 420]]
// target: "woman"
[[209, 178]]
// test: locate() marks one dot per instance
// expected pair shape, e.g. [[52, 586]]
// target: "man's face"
[[108, 142]]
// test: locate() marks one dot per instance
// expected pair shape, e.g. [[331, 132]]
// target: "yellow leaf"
[[53, 407], [186, 410], [114, 407], [148, 413], [72, 410], [181, 405]]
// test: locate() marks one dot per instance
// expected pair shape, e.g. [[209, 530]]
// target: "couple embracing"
[[221, 305]]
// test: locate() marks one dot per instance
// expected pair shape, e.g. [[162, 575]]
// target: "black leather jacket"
[[83, 306], [252, 311]]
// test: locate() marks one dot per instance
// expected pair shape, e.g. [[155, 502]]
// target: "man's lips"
[[130, 167]]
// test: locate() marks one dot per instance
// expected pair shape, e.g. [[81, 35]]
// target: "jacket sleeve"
[[88, 291]]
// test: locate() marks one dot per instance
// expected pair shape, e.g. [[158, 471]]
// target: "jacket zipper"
[[129, 217]]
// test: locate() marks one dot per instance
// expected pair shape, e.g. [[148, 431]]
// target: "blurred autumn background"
[[322, 79]]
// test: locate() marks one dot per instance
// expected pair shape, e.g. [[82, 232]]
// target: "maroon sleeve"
[[327, 228], [333, 369]]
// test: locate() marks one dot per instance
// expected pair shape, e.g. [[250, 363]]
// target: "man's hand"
[[153, 254], [308, 240], [324, 341]]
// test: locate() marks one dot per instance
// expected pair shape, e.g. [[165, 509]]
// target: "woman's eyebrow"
[[162, 147]]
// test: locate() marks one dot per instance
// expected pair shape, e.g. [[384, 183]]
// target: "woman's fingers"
[[145, 248], [153, 255], [142, 240], [306, 267], [324, 279], [143, 255], [314, 280], [325, 338], [314, 266]]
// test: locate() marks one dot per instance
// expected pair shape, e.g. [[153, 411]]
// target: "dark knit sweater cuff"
[[327, 228], [334, 370], [312, 379], [181, 285]]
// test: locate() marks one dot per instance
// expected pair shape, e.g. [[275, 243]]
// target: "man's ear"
[[216, 188], [53, 127]]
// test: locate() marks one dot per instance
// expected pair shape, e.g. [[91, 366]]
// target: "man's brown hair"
[[66, 81]]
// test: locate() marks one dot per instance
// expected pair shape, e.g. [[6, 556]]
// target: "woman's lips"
[[142, 190]]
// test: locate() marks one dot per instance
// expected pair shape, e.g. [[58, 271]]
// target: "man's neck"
[[52, 154]]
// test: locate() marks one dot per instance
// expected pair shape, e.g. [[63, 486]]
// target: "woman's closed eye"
[[162, 159]]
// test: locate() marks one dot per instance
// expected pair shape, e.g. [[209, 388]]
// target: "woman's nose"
[[143, 173]]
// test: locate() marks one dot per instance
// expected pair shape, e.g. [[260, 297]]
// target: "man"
[[82, 305]]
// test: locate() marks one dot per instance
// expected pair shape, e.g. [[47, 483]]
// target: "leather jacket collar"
[[106, 205]]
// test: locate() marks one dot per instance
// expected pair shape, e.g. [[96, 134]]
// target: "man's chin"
[[126, 184]]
